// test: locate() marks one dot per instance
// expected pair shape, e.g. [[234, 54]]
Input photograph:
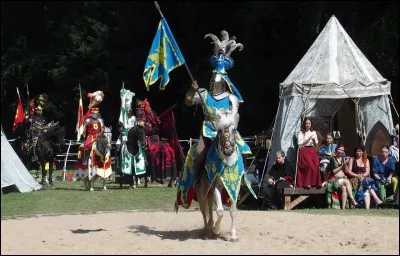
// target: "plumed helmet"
[[95, 98]]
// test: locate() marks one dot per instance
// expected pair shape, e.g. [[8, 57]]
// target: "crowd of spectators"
[[353, 181]]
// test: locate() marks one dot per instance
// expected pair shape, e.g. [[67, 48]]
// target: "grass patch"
[[347, 212], [70, 197]]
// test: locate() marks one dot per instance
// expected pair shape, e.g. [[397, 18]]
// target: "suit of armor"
[[93, 127]]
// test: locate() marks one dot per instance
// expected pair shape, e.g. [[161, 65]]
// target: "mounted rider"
[[36, 122], [221, 95], [127, 122], [93, 124]]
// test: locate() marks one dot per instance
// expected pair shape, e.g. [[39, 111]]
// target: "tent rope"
[[359, 117], [391, 101]]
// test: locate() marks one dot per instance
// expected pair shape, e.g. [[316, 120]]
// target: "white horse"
[[100, 155], [226, 151]]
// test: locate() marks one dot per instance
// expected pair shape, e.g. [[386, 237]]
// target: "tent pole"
[[269, 146], [65, 162]]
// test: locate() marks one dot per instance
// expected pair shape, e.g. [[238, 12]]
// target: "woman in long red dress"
[[308, 174]]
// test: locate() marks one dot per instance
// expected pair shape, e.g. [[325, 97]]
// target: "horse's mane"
[[227, 119]]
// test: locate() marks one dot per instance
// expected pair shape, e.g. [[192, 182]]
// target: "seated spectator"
[[337, 181], [325, 152], [278, 177], [394, 152], [358, 170], [383, 169]]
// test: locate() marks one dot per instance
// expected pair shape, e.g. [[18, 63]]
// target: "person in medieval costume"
[[222, 94], [127, 122], [93, 124], [146, 118], [38, 124]]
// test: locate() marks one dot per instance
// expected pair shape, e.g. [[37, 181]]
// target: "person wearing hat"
[[222, 95], [93, 126]]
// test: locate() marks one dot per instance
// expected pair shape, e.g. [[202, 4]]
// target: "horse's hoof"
[[217, 231], [105, 188], [91, 189], [233, 239]]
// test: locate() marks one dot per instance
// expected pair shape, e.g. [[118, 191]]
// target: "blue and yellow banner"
[[164, 56]]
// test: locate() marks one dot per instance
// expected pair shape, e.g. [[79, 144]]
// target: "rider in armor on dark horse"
[[35, 123]]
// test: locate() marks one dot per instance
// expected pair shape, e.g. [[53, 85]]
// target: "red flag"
[[19, 114], [168, 131], [79, 123]]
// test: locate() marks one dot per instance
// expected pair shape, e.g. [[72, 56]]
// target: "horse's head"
[[128, 100], [226, 124], [56, 134], [107, 135]]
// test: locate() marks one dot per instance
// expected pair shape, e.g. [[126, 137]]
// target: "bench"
[[303, 194]]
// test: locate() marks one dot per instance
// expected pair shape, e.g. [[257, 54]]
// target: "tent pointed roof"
[[336, 65]]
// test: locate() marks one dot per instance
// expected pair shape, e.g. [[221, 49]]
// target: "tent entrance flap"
[[345, 122]]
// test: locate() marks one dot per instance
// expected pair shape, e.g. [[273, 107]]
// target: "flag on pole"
[[79, 123], [19, 114], [164, 56], [168, 131]]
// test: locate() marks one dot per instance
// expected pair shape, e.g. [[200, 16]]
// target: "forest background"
[[53, 46]]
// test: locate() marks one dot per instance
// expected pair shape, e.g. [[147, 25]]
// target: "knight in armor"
[[38, 123], [222, 95], [93, 127]]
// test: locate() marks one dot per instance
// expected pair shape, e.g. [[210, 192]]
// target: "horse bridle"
[[224, 140]]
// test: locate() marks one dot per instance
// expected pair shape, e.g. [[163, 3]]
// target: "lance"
[[186, 66], [84, 128]]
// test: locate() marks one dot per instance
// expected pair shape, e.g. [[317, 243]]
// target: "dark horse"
[[159, 156], [47, 147], [136, 136]]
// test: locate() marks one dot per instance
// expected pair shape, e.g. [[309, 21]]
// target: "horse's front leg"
[[44, 174], [220, 208], [86, 183], [91, 183], [210, 202], [201, 198], [233, 212], [132, 183], [51, 173], [104, 184]]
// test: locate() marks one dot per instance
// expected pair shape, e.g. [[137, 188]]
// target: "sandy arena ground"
[[170, 233]]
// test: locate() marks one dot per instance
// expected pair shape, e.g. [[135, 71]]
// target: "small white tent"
[[13, 171], [338, 88]]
